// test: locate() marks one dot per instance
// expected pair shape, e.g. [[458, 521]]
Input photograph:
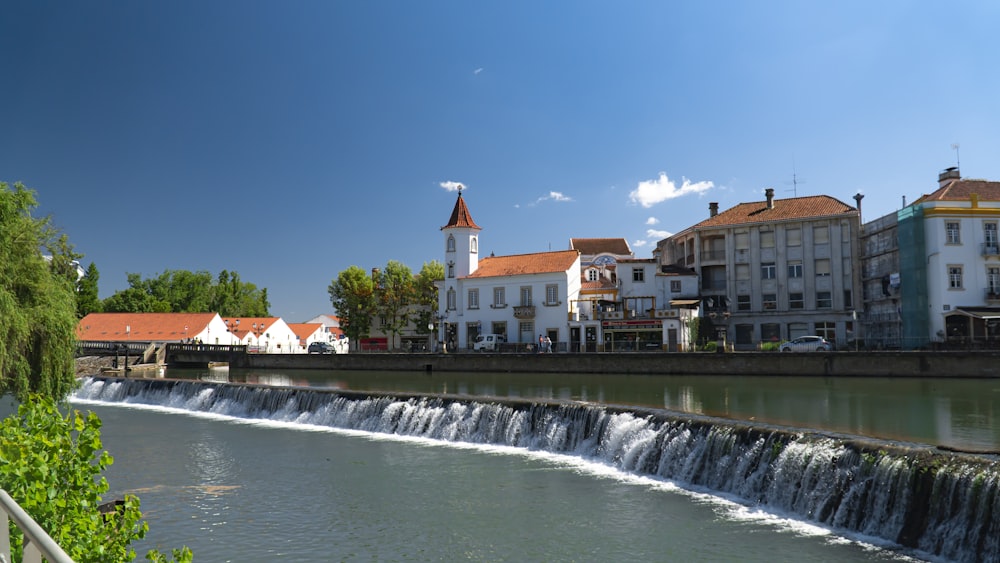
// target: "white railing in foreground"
[[37, 543]]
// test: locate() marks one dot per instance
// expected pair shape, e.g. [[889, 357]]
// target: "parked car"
[[321, 348], [488, 342], [807, 344]]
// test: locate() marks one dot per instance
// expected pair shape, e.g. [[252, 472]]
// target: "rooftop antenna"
[[795, 181], [958, 160]]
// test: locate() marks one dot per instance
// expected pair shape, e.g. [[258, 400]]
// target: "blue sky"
[[287, 141]]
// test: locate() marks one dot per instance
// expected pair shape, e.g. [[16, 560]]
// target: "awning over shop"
[[985, 313], [690, 303]]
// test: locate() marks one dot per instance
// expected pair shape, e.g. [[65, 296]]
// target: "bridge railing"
[[37, 543]]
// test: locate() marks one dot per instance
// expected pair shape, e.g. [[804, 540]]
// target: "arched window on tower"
[[451, 243], [451, 269], [474, 245], [451, 299]]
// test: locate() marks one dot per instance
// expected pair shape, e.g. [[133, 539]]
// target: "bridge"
[[198, 355]]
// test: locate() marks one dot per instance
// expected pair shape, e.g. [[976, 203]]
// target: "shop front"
[[637, 335]]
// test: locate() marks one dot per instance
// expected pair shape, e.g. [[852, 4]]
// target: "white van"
[[488, 342]]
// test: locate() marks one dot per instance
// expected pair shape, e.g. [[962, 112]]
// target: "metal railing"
[[38, 545]]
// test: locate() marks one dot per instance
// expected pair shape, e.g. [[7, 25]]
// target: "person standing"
[[548, 345]]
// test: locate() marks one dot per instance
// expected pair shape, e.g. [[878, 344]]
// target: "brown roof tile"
[[460, 216], [246, 324], [594, 246], [520, 264], [962, 190], [141, 326], [810, 207]]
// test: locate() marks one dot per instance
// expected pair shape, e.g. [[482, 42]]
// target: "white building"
[[520, 297]]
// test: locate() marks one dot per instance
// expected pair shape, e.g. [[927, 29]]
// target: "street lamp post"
[[258, 329], [232, 327]]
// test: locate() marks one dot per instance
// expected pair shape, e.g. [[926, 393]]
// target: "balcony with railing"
[[989, 249], [992, 294], [524, 312], [718, 255], [38, 545]]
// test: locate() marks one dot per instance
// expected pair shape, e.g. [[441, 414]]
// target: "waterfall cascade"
[[943, 503]]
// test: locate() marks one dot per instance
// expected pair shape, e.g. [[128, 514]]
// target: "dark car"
[[320, 348]]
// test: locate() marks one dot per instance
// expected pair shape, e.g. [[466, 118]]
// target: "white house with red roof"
[[520, 297], [152, 327]]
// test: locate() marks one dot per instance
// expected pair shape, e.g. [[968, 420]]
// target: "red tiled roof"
[[810, 207], [141, 326], [460, 216], [600, 284], [304, 330], [962, 190], [595, 246], [520, 264]]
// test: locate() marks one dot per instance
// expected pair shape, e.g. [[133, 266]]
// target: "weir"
[[938, 502]]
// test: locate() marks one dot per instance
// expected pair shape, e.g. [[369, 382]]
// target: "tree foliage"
[[51, 466], [37, 300], [353, 297], [87, 300], [394, 292], [425, 295], [181, 291]]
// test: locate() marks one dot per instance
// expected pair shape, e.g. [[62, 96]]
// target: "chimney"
[[713, 209], [858, 197], [769, 193], [948, 176]]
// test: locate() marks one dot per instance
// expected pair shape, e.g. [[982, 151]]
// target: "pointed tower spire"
[[460, 216]]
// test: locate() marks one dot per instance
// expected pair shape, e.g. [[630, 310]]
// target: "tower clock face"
[[604, 260]]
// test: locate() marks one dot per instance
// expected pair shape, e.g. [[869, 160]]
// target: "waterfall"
[[945, 504]]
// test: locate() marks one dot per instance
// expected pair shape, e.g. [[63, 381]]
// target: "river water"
[[237, 488]]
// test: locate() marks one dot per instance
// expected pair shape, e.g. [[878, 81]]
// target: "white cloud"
[[640, 243], [652, 221], [452, 186], [650, 192], [478, 70], [558, 197], [658, 235]]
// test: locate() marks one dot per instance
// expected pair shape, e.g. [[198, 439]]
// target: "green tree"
[[426, 295], [352, 295], [51, 466], [87, 300], [37, 300], [181, 291], [394, 294]]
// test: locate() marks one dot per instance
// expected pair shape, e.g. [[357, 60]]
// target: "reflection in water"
[[959, 413]]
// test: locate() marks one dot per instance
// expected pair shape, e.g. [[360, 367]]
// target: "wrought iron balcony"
[[524, 312]]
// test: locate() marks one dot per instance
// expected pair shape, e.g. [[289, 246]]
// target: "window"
[[742, 272], [474, 244], [954, 277], [824, 300], [822, 266], [499, 297], [638, 274], [990, 235], [767, 239], [474, 298], [552, 294], [795, 301], [742, 302], [451, 269], [500, 327], [770, 332], [591, 274], [827, 331], [953, 232], [767, 271], [796, 330], [795, 269], [742, 241], [848, 299], [793, 237], [770, 301], [526, 296], [451, 243], [675, 286], [993, 280], [451, 299], [821, 234]]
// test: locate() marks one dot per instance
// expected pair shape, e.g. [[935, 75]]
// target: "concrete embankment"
[[833, 364]]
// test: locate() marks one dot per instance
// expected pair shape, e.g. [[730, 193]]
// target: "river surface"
[[243, 490]]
